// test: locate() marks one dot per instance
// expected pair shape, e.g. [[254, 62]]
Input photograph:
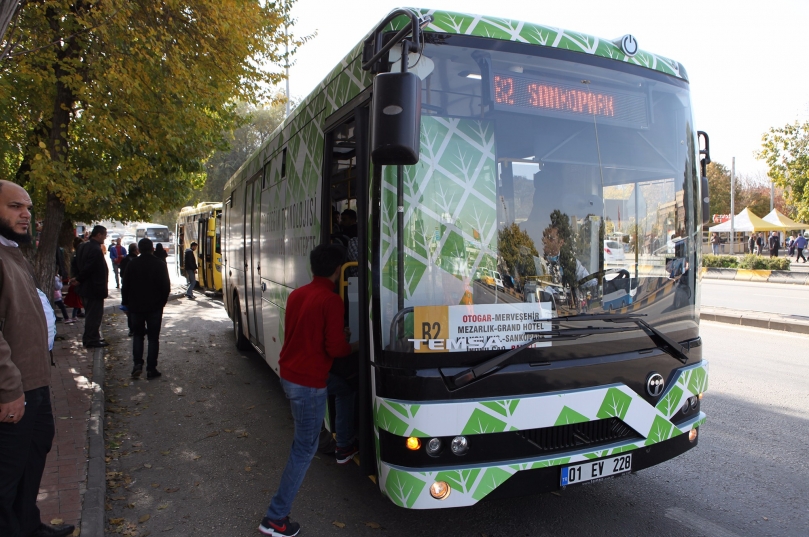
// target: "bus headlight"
[[459, 445], [440, 490], [413, 443], [692, 435], [433, 447]]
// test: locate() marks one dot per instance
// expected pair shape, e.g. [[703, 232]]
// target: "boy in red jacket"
[[314, 335]]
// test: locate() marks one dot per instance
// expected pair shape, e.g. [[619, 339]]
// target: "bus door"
[[204, 252], [346, 183], [252, 211]]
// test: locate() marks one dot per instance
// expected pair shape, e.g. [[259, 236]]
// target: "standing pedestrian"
[[92, 285], [133, 253], [313, 337], [57, 300], [751, 243], [800, 244], [715, 242], [160, 252], [72, 300], [26, 417], [190, 267], [759, 243], [117, 254], [144, 294], [774, 244]]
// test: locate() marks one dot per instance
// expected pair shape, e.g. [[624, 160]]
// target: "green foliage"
[[517, 249], [720, 261], [786, 152], [760, 262], [256, 125], [749, 261]]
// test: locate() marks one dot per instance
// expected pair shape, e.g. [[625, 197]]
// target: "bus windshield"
[[545, 187], [155, 232]]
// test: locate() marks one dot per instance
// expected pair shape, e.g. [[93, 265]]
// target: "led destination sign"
[[541, 96]]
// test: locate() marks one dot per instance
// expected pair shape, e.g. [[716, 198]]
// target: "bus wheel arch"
[[242, 343]]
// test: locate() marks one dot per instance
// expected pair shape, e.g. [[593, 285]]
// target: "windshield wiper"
[[661, 340], [474, 373]]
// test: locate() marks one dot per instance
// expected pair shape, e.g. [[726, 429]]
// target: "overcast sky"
[[746, 60]]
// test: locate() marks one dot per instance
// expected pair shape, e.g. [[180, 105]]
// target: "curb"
[[755, 320], [92, 512], [746, 275]]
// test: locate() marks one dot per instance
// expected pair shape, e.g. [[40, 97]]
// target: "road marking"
[[697, 523]]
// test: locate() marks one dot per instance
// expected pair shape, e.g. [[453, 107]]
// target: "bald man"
[[26, 419]]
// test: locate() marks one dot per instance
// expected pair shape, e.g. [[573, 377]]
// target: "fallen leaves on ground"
[[338, 524], [215, 433], [172, 489], [144, 518], [373, 525], [57, 521]]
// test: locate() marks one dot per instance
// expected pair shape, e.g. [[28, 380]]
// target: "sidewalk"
[[77, 383], [771, 321], [65, 479]]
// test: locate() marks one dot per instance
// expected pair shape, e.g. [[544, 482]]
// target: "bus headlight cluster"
[[690, 404], [459, 445], [434, 447], [692, 435]]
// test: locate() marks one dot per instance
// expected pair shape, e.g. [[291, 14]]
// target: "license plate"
[[588, 471]]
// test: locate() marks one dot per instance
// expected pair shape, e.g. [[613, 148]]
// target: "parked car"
[[613, 252]]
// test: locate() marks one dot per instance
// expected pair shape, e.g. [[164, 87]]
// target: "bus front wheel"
[[242, 343]]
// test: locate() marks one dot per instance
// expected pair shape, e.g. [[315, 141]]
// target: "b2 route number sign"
[[478, 327]]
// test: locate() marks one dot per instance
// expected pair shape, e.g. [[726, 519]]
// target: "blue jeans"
[[344, 409], [190, 275], [308, 407]]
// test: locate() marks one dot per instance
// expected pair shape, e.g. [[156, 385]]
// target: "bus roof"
[[347, 79], [202, 207], [147, 225]]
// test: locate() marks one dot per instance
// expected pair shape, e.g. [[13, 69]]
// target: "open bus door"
[[345, 176]]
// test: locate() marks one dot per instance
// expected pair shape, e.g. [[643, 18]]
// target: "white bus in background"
[[158, 233]]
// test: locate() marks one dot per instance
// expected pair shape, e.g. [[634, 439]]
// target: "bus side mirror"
[[396, 119], [706, 202]]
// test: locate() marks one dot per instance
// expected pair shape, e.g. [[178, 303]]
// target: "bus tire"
[[242, 343]]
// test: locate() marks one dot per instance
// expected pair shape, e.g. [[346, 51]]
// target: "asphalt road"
[[200, 451], [782, 298]]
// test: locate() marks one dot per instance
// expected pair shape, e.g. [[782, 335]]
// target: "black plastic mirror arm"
[[375, 38], [704, 153]]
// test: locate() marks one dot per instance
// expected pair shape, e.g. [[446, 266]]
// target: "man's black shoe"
[[44, 530], [131, 333], [153, 374], [80, 314], [97, 344], [136, 371]]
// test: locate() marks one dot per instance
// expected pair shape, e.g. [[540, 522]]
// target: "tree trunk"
[[57, 144]]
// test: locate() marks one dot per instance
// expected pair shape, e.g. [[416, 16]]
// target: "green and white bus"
[[496, 147]]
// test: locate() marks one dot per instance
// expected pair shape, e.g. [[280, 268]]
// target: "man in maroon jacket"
[[314, 335]]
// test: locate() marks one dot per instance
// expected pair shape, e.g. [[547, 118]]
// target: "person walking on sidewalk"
[[800, 244], [774, 244], [313, 338], [92, 285], [759, 243], [26, 418], [144, 293], [117, 254], [190, 267]]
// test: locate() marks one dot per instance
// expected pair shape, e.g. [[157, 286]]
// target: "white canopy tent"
[[777, 217], [746, 222]]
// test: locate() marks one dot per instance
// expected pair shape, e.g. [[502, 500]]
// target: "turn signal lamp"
[[700, 397], [692, 435], [413, 443], [440, 490]]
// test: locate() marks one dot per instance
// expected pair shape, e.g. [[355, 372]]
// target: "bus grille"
[[573, 436]]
